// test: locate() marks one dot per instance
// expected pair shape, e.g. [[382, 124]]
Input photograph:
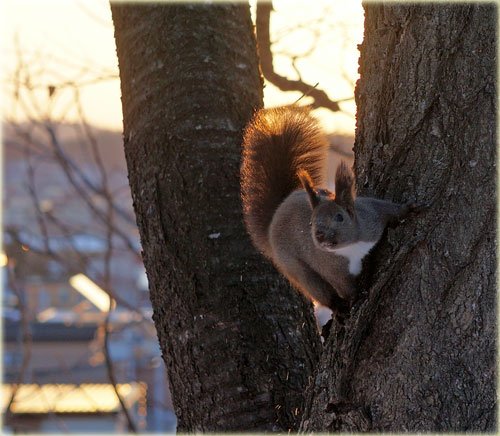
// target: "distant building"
[[65, 385]]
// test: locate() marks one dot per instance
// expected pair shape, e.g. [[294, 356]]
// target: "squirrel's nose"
[[320, 236]]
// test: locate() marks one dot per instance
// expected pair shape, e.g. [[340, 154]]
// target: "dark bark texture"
[[418, 352], [238, 342]]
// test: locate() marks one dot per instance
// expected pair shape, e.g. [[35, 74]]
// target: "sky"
[[64, 40], [71, 41]]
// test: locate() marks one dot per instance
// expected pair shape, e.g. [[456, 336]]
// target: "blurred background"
[[80, 352]]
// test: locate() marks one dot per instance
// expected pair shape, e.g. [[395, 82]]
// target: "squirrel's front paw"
[[414, 206], [411, 206]]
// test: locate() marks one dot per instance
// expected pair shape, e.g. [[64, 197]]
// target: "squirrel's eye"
[[339, 218]]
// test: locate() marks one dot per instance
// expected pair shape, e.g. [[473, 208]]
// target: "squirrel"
[[315, 237]]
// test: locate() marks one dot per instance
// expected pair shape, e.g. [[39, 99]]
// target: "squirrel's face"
[[333, 219], [332, 227]]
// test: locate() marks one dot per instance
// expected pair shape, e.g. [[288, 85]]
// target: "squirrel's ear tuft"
[[344, 188], [308, 185]]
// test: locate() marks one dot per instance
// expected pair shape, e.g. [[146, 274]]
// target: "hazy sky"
[[66, 41]]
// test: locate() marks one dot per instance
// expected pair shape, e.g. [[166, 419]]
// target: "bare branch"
[[263, 19], [66, 167], [26, 340], [107, 283], [111, 374]]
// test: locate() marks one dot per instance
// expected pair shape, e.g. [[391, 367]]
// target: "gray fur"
[[313, 269]]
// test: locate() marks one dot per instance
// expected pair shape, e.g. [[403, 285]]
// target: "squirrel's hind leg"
[[310, 283]]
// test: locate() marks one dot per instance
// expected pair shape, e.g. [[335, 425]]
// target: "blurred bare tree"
[[78, 217], [78, 198]]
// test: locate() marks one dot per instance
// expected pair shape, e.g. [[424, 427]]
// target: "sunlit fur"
[[277, 144]]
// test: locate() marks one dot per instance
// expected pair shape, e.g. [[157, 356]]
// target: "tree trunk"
[[418, 354], [239, 344]]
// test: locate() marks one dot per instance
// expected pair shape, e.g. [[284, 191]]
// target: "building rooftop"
[[71, 398], [50, 332]]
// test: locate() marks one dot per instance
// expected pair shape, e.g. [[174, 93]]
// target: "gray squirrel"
[[316, 238]]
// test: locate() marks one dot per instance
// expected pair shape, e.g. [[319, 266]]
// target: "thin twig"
[[26, 340], [107, 284], [111, 375], [320, 98]]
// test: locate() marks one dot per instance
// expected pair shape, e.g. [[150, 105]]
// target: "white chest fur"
[[355, 253]]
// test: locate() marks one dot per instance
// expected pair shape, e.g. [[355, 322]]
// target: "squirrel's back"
[[277, 144]]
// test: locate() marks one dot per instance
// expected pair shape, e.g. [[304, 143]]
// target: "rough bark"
[[238, 343], [418, 354]]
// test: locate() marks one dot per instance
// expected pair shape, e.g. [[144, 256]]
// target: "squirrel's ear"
[[308, 185], [344, 188]]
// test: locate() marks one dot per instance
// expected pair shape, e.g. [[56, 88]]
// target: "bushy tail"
[[277, 144]]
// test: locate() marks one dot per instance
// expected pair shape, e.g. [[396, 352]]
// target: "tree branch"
[[263, 19]]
